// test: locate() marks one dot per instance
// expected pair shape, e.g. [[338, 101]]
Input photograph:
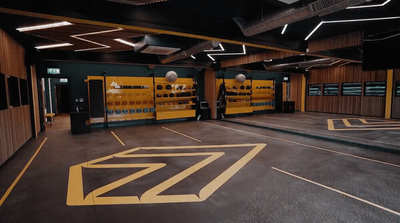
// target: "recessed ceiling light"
[[270, 60], [125, 42], [45, 26], [53, 46]]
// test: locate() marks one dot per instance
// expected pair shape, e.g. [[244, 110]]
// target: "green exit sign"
[[53, 70]]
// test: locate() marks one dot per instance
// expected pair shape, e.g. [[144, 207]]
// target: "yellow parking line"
[[338, 191], [179, 133], [122, 143], [21, 173]]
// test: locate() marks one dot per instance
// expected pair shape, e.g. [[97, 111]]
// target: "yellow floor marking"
[[120, 141], [337, 191], [367, 126], [377, 121], [346, 122], [179, 133], [21, 173], [330, 125], [75, 194], [325, 133], [309, 146]]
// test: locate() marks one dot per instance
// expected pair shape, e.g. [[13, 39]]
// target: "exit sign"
[[53, 70]]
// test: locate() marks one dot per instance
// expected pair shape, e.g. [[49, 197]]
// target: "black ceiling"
[[196, 20]]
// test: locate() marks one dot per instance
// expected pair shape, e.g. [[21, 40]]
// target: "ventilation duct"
[[324, 62], [317, 8], [206, 45]]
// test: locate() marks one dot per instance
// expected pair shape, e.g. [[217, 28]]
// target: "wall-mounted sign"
[[53, 70], [63, 80]]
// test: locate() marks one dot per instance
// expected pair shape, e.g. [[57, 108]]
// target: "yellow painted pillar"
[[303, 93], [389, 92]]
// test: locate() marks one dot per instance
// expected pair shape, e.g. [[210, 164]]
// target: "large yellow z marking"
[[76, 196]]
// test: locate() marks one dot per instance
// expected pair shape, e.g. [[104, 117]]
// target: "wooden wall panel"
[[15, 123], [35, 97], [396, 100], [295, 90], [356, 105], [210, 91], [336, 42]]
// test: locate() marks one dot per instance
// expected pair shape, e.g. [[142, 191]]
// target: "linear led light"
[[125, 42], [348, 21], [102, 46], [226, 54], [193, 57], [270, 60], [45, 26], [284, 29], [369, 6], [212, 58], [218, 50], [53, 46]]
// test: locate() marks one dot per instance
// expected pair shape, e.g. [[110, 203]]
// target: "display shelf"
[[162, 115], [177, 106], [238, 96], [263, 97]]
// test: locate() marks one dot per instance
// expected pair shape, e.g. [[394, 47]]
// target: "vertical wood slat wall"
[[396, 100], [355, 105], [15, 123], [295, 90], [35, 97]]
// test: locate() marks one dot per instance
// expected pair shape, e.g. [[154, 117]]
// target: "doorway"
[[62, 99]]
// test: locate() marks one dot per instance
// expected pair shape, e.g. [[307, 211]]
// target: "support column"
[[389, 92], [303, 93], [210, 91]]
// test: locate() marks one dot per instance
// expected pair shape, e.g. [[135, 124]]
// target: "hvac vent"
[[159, 50], [138, 2]]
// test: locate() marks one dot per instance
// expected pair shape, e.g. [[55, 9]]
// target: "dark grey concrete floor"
[[378, 132], [256, 193]]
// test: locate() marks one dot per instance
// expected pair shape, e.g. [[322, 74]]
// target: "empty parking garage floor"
[[208, 171]]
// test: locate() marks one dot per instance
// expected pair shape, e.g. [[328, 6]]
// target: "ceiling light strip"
[[284, 29], [125, 42], [222, 49], [102, 46], [193, 57], [53, 46], [226, 54], [45, 26], [348, 21], [369, 6]]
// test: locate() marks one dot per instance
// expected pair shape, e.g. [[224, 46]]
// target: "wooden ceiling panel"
[[89, 37]]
